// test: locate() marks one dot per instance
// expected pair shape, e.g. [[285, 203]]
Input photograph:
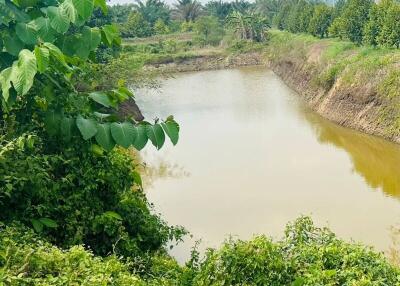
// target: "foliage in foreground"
[[26, 259], [307, 255], [43, 52], [89, 199]]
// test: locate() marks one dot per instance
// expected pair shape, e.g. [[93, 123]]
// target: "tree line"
[[360, 21]]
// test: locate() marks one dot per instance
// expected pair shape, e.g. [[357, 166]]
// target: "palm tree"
[[187, 10], [152, 10], [242, 6], [269, 8], [219, 9]]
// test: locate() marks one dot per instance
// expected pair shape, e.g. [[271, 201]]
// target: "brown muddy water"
[[252, 157]]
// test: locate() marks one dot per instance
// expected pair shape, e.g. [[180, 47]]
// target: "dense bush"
[[306, 256], [26, 259], [78, 197]]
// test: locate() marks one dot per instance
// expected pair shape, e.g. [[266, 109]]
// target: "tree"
[[119, 13], [187, 10], [373, 26], [152, 10], [160, 27], [281, 17], [219, 9], [135, 26], [248, 26], [350, 24], [299, 17], [321, 20], [242, 6], [208, 31], [389, 28], [305, 17], [268, 8]]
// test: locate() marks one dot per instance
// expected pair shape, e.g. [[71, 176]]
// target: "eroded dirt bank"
[[208, 62], [356, 107], [353, 86]]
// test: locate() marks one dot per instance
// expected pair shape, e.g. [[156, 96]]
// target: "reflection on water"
[[159, 168], [258, 158], [375, 159]]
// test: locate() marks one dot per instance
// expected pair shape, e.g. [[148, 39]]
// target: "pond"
[[252, 157]]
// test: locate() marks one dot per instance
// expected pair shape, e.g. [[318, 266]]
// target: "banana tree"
[[248, 25]]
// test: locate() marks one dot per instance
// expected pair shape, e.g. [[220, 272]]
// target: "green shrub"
[[306, 256], [79, 197], [27, 260], [160, 27]]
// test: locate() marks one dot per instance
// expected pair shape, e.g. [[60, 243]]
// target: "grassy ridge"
[[363, 74]]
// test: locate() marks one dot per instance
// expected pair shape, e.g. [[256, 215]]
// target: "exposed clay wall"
[[212, 62], [353, 86]]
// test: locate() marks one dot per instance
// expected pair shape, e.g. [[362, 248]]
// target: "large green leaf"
[[26, 71], [9, 12], [103, 136], [37, 225], [59, 20], [123, 133], [92, 37], [5, 82], [44, 30], [42, 58], [26, 32], [55, 53], [110, 34], [87, 127], [67, 44], [84, 7], [101, 98], [141, 138], [48, 222], [81, 48], [68, 8], [172, 129], [156, 135], [6, 14], [13, 44]]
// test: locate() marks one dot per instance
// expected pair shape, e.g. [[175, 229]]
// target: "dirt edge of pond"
[[350, 106], [208, 62], [353, 106]]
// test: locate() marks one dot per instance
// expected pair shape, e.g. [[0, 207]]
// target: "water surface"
[[252, 157]]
